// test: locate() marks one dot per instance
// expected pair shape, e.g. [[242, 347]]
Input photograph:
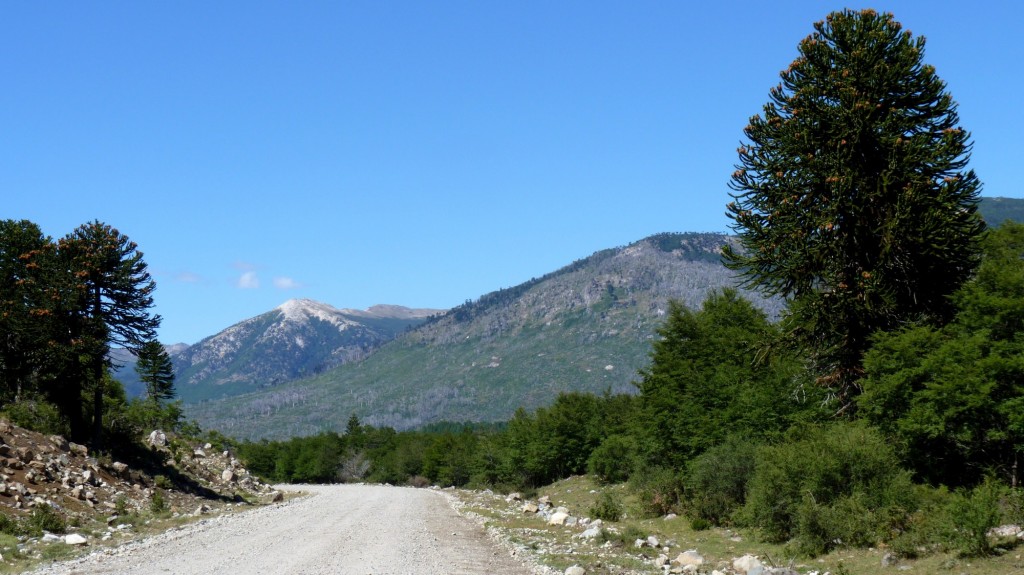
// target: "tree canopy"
[[851, 196]]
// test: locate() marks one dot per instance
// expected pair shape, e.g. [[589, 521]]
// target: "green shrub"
[[613, 460], [157, 504], [971, 514], [9, 525], [607, 508], [36, 415], [162, 482], [716, 480], [828, 486], [658, 491], [44, 518]]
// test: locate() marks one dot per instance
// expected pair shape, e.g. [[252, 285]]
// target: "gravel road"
[[339, 529]]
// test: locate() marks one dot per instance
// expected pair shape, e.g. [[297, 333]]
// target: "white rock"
[[653, 541], [748, 565], [50, 538], [74, 539], [558, 518], [157, 438], [690, 557], [592, 533], [575, 570], [228, 476], [530, 508]]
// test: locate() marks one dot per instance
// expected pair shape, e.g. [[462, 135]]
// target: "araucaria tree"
[[851, 196], [114, 296]]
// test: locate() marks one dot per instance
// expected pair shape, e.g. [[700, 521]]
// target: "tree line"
[[63, 305]]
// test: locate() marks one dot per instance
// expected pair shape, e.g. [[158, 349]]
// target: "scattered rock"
[[575, 570], [77, 449], [228, 476], [591, 533], [889, 559], [515, 496], [75, 539], [530, 508]]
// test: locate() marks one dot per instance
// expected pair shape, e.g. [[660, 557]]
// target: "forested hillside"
[[586, 327]]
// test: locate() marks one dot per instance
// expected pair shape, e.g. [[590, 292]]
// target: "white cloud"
[[286, 283], [248, 280]]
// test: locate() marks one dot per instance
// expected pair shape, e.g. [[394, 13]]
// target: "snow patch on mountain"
[[303, 310]]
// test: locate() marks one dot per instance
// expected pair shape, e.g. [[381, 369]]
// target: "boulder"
[[516, 496], [157, 438], [228, 476], [575, 570], [530, 508], [24, 454], [591, 533], [748, 565], [60, 443], [77, 449], [74, 539], [558, 518], [121, 469], [690, 557]]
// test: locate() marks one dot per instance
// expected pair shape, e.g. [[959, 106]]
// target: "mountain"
[[586, 327], [997, 210], [301, 337]]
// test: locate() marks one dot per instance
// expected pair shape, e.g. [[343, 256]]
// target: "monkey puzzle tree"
[[851, 196], [114, 292]]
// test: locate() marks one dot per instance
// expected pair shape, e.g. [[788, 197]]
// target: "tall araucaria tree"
[[115, 291], [851, 196]]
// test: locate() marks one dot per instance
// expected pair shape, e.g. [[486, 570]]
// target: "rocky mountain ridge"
[[301, 337], [585, 327]]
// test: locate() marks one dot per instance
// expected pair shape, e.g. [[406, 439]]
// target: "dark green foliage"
[[841, 482], [62, 305], [716, 480], [608, 507], [852, 198], [614, 460], [659, 490], [156, 371], [955, 396], [705, 381]]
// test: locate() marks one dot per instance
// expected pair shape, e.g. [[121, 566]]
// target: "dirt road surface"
[[338, 529]]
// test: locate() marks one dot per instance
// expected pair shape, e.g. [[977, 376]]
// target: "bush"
[[613, 460], [658, 491], [157, 504], [44, 518], [828, 486], [716, 480], [607, 508], [36, 415], [971, 514]]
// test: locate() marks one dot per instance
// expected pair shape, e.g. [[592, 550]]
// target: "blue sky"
[[416, 153]]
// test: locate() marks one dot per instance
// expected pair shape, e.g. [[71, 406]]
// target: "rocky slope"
[[97, 497], [299, 338]]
